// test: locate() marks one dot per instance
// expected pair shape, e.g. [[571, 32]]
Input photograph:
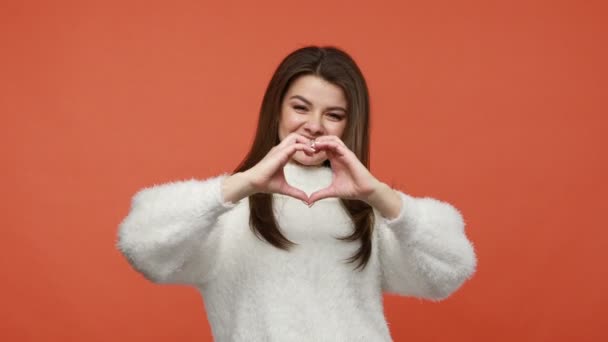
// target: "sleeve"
[[424, 251], [165, 234]]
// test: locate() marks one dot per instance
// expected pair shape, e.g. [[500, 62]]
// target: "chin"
[[314, 160]]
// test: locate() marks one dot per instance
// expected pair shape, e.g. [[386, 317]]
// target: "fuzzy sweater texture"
[[183, 232]]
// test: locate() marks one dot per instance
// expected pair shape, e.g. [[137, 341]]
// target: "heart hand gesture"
[[267, 175], [351, 179]]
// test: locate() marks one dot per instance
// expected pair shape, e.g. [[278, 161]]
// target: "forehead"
[[317, 90]]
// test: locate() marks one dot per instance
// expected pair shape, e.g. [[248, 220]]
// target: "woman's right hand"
[[267, 175]]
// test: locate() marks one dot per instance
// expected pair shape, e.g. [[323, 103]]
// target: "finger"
[[295, 193], [291, 149], [302, 139], [281, 156], [330, 145], [331, 138], [290, 141], [294, 138], [321, 194]]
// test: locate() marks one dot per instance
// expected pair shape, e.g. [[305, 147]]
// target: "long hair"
[[337, 67]]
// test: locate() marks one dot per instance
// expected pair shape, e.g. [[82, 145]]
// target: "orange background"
[[498, 107]]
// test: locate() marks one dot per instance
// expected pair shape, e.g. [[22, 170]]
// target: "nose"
[[314, 125]]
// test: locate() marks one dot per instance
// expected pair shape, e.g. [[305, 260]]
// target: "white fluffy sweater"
[[184, 233]]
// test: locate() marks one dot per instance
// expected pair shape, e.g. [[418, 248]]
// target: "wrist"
[[236, 187], [386, 200], [378, 190]]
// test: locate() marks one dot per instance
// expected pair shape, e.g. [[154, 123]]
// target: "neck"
[[307, 177]]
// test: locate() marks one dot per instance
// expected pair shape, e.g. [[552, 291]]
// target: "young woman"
[[301, 240]]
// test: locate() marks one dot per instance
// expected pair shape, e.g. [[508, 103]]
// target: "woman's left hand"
[[351, 179]]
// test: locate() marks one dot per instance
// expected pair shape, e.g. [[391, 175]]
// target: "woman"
[[301, 240]]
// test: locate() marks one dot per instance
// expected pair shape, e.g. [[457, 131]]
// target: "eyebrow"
[[310, 103]]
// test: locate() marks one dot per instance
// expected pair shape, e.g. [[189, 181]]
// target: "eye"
[[299, 108], [336, 117]]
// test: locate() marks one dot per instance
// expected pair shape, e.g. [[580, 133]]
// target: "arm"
[[168, 234], [165, 236], [423, 249]]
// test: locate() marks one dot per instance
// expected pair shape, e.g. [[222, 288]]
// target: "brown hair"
[[337, 67]]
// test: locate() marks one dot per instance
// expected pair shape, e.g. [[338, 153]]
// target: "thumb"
[[321, 194], [295, 193]]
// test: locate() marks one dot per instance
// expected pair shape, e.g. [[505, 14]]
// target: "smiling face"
[[312, 107]]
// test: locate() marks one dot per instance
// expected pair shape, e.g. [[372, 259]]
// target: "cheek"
[[338, 129], [289, 122], [281, 129], [283, 125]]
